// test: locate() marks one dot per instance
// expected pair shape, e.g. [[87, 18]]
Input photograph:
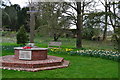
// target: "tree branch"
[[72, 7]]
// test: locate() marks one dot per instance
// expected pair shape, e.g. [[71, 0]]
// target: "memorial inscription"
[[25, 55]]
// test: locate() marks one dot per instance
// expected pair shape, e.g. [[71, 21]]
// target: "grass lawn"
[[66, 42], [80, 66], [71, 43]]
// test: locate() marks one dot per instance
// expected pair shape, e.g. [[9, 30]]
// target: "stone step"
[[63, 65], [10, 61]]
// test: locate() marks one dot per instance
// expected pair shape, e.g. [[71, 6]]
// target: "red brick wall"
[[16, 54], [39, 54], [36, 54], [23, 65]]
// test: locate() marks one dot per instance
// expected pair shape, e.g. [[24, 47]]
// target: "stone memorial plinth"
[[30, 54], [33, 59]]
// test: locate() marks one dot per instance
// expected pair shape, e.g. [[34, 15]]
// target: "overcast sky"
[[23, 3]]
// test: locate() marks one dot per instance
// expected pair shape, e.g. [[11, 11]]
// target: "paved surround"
[[34, 59], [52, 62]]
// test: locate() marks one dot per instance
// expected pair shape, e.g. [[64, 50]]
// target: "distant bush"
[[8, 33], [88, 33], [22, 36], [3, 33]]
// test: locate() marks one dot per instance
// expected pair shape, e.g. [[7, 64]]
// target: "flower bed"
[[112, 55]]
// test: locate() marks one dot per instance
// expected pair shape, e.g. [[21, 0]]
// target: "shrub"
[[22, 36], [89, 32]]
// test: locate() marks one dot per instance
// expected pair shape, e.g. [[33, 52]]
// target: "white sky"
[[22, 3]]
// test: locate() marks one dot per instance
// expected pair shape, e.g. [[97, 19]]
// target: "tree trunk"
[[119, 42], [56, 37], [116, 32], [79, 26], [105, 27]]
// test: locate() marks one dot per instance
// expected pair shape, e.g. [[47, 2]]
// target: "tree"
[[23, 18], [9, 20], [22, 36], [14, 22], [79, 7], [115, 21], [79, 25], [93, 22], [52, 19], [77, 21], [106, 18]]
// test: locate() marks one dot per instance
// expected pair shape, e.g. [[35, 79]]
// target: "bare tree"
[[79, 7], [52, 19], [115, 20], [106, 20]]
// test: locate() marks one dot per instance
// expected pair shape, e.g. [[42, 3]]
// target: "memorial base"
[[52, 62], [34, 59]]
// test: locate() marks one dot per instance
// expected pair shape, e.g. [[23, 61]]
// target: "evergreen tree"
[[22, 36]]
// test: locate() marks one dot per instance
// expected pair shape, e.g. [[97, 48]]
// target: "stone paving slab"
[[11, 59], [52, 62], [63, 65]]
